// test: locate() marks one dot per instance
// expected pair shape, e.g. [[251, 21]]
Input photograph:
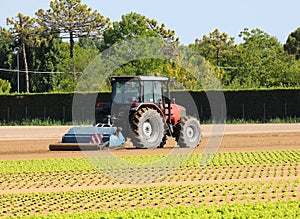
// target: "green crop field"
[[232, 185]]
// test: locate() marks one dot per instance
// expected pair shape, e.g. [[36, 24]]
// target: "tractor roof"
[[138, 78]]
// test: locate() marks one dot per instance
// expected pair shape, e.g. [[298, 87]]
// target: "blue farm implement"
[[90, 138]]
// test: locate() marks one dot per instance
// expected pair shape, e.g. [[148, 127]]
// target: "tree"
[[260, 61], [44, 58], [136, 26], [5, 48], [215, 46], [25, 32], [64, 81], [6, 57], [292, 45], [72, 18], [5, 86]]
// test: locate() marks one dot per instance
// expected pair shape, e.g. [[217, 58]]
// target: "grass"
[[52, 122], [258, 121], [42, 122], [35, 122]]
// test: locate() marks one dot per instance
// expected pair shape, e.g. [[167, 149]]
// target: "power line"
[[37, 72]]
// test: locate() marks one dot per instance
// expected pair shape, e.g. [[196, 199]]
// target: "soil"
[[34, 149]]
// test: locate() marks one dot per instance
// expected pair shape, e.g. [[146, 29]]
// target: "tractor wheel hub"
[[147, 129], [190, 132]]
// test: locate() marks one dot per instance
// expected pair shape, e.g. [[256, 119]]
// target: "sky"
[[190, 19]]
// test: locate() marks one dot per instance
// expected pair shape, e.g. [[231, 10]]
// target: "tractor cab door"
[[153, 92], [125, 92], [157, 92]]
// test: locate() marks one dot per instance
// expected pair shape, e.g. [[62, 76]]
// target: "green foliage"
[[282, 209], [77, 164], [5, 44], [72, 18], [25, 32], [135, 26], [5, 86], [44, 165], [215, 47], [246, 121], [205, 193], [259, 61], [292, 45], [71, 68], [44, 58], [35, 122], [264, 60]]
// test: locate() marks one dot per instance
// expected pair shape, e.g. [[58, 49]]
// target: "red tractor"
[[141, 107]]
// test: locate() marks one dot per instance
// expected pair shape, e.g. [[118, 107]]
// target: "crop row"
[[282, 209], [84, 178], [194, 160], [148, 197], [173, 161], [44, 165]]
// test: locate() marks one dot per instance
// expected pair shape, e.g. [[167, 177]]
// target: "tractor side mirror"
[[167, 100]]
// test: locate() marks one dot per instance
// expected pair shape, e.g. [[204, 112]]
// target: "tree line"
[[50, 51]]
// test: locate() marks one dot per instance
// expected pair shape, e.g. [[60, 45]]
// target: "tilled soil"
[[34, 149]]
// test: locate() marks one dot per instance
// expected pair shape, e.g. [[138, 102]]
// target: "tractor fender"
[[178, 112], [136, 106]]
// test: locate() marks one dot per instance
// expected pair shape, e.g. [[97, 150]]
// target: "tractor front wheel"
[[187, 132], [148, 128]]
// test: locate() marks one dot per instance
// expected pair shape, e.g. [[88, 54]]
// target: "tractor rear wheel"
[[188, 132], [148, 128]]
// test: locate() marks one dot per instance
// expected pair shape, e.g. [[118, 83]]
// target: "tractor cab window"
[[157, 88], [152, 91], [126, 91]]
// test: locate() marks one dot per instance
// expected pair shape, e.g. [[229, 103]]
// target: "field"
[[255, 174]]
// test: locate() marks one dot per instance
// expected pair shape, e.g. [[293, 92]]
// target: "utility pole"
[[16, 51]]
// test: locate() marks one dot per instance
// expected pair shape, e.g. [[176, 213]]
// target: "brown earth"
[[33, 148]]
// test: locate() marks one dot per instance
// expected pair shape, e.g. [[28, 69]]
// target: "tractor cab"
[[139, 89]]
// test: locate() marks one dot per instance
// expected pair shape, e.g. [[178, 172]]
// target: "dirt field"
[[33, 142]]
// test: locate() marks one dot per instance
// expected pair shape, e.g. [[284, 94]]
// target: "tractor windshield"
[[125, 91]]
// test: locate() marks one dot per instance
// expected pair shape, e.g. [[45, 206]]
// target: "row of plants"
[[229, 178], [148, 197], [282, 209], [84, 178], [44, 165], [111, 162]]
